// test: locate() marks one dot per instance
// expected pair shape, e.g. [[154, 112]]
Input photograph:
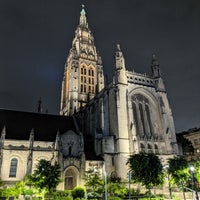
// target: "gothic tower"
[[83, 73]]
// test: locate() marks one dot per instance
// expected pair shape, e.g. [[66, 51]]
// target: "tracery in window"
[[142, 116]]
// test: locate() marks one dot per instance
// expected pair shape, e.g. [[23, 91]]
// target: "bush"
[[78, 192], [114, 198], [60, 195]]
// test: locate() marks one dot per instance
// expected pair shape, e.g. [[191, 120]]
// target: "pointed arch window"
[[142, 116], [13, 167]]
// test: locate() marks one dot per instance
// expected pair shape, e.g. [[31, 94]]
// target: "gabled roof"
[[19, 125]]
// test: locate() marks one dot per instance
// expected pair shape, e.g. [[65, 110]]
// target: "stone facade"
[[127, 116], [130, 115], [67, 150], [111, 122]]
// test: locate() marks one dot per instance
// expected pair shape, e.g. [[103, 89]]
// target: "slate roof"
[[19, 124]]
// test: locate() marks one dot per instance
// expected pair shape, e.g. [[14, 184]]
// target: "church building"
[[99, 125]]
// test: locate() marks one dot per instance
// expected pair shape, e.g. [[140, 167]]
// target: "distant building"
[[191, 147], [100, 125]]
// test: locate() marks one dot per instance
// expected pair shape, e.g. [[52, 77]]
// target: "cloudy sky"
[[36, 35]]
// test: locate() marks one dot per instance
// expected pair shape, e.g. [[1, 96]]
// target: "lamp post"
[[192, 172], [129, 185], [106, 184], [169, 185], [192, 169]]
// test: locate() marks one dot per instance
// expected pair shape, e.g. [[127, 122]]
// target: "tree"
[[46, 175], [117, 188], [94, 183], [179, 172], [197, 171], [146, 168]]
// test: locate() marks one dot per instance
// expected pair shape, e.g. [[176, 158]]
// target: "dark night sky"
[[36, 35]]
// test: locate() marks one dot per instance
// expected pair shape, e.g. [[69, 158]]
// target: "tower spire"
[[83, 20], [83, 70]]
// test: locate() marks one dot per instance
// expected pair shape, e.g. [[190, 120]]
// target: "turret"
[[30, 156], [157, 74], [155, 67], [2, 139], [120, 69]]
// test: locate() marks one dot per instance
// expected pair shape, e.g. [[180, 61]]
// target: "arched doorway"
[[70, 179]]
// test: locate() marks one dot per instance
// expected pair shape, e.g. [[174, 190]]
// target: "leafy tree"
[[94, 183], [146, 168], [179, 171], [46, 176], [117, 189], [14, 191], [197, 171]]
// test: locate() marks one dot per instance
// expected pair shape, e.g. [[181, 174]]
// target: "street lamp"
[[192, 172], [166, 167], [106, 184]]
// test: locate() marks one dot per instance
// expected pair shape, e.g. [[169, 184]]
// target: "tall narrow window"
[[149, 119], [92, 90], [81, 88], [113, 161], [135, 118], [142, 117], [70, 150], [84, 88], [13, 167]]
